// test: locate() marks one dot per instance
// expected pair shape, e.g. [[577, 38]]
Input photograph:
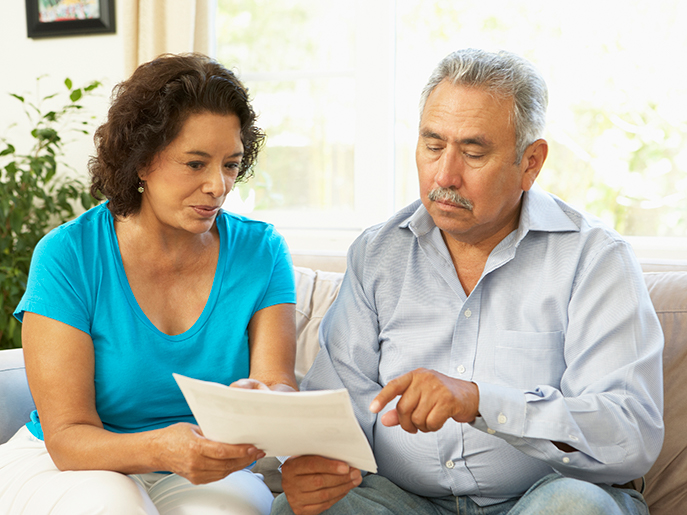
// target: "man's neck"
[[470, 257]]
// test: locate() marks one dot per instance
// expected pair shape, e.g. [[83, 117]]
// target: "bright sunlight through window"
[[337, 84]]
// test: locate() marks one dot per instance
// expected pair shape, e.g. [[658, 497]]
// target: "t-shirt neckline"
[[131, 298]]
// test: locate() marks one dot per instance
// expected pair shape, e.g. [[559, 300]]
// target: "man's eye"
[[474, 156], [433, 149]]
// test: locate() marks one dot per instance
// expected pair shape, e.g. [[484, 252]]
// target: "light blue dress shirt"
[[559, 334]]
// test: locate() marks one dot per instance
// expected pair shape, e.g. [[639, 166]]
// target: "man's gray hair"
[[503, 74]]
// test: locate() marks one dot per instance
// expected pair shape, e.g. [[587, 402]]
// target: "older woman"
[[158, 279]]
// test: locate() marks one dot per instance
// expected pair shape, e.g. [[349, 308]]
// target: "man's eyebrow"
[[477, 140], [428, 134]]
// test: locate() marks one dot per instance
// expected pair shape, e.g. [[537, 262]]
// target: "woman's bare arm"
[[60, 368], [272, 337]]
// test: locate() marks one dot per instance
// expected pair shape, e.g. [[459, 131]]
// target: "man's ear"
[[532, 162]]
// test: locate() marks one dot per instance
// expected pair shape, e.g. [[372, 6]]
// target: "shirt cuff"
[[502, 410]]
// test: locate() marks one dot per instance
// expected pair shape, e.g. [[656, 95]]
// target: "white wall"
[[81, 58]]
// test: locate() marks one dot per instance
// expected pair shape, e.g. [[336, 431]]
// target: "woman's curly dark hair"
[[148, 111]]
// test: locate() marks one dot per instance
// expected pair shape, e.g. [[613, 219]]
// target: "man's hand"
[[428, 400], [313, 484]]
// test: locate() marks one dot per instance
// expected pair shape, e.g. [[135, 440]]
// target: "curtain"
[[154, 27]]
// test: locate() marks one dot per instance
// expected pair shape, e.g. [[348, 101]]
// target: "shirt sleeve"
[[610, 401], [56, 287], [349, 344], [281, 288]]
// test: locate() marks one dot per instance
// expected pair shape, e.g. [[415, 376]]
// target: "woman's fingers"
[[191, 455]]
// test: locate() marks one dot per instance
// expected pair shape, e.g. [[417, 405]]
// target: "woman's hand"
[[185, 451], [254, 384], [249, 384]]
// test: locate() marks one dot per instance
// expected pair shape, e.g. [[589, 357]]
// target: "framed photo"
[[51, 18]]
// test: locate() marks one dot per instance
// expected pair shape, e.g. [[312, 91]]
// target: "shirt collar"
[[420, 222], [540, 212]]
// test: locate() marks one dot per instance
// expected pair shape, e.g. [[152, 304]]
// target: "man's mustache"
[[446, 194]]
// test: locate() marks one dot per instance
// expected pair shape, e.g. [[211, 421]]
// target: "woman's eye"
[[233, 168], [195, 165]]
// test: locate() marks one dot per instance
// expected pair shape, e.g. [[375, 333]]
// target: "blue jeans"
[[551, 495]]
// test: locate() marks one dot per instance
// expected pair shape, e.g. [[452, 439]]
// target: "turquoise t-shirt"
[[77, 277]]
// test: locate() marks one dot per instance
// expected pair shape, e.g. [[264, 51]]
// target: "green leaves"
[[47, 134], [75, 95], [34, 195]]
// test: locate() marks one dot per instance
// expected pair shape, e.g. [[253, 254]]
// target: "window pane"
[[296, 58], [617, 124]]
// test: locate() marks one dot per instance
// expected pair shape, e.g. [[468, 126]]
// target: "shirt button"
[[468, 313], [573, 438], [450, 464], [566, 460], [461, 369], [502, 418], [491, 431]]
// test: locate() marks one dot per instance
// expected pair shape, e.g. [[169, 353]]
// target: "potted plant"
[[34, 197]]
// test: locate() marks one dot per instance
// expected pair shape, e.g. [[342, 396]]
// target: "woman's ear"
[[532, 162]]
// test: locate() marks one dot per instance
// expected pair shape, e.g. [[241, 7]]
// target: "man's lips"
[[448, 203]]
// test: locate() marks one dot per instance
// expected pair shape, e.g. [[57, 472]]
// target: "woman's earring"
[[141, 189]]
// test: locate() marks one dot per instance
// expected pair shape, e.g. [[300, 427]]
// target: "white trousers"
[[31, 484]]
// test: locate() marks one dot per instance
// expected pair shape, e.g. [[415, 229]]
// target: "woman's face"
[[188, 181]]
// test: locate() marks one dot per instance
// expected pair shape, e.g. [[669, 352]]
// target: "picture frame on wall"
[[53, 18]]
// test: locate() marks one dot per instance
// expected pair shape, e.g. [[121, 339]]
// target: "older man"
[[499, 346]]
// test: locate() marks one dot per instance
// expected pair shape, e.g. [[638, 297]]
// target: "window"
[[337, 85]]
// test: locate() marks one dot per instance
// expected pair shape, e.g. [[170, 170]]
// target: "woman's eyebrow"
[[201, 153]]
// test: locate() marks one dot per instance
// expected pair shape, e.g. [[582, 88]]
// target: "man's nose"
[[450, 169]]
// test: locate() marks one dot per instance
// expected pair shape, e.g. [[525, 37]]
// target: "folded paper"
[[280, 423]]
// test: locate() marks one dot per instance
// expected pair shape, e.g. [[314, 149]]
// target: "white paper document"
[[280, 423]]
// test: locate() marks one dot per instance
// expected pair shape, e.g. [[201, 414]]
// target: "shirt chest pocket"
[[526, 360]]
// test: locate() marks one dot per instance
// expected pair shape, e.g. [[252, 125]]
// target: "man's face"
[[469, 181]]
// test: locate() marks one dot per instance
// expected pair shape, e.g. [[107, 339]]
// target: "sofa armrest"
[[16, 403], [666, 488]]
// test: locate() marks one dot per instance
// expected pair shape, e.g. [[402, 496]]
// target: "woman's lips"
[[206, 211]]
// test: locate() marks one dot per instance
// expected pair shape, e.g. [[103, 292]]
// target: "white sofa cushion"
[[315, 292]]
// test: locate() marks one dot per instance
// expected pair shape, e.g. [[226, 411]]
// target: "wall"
[[81, 58]]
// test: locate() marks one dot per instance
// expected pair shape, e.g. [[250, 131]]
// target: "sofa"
[[665, 485]]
